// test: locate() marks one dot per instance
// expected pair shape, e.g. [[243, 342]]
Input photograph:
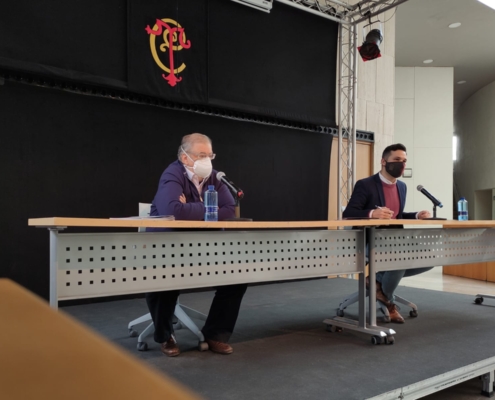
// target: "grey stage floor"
[[282, 350]]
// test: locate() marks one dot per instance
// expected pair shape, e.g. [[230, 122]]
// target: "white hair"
[[189, 140]]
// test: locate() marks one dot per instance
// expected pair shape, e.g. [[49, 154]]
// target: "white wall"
[[424, 113], [475, 129]]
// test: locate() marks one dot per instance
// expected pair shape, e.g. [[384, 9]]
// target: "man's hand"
[[424, 214], [182, 199], [382, 213]]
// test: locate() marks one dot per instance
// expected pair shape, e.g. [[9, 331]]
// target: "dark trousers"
[[221, 319]]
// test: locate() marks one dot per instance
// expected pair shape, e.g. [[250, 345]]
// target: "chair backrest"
[[144, 211]]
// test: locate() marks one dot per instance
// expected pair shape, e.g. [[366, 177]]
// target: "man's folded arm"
[[167, 202]]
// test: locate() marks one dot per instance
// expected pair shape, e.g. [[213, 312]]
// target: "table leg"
[[362, 285], [53, 267], [372, 278]]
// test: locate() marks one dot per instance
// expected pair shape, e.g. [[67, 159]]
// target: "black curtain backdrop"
[[280, 64], [66, 154], [78, 40]]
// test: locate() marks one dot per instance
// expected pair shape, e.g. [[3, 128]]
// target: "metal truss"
[[348, 13], [346, 110], [330, 9]]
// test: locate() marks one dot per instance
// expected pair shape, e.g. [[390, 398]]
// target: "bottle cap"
[[463, 198], [211, 187]]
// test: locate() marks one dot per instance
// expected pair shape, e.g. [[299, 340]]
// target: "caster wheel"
[[376, 340], [478, 300], [340, 313], [390, 340], [413, 313], [202, 346], [142, 346], [133, 333], [333, 328]]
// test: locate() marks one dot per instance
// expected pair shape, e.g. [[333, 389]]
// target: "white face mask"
[[202, 167]]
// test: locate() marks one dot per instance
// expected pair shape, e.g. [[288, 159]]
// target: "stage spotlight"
[[370, 49]]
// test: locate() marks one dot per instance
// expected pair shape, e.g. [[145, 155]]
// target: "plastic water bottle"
[[462, 209], [211, 204]]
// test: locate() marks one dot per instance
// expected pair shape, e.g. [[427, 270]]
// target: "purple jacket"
[[174, 182]]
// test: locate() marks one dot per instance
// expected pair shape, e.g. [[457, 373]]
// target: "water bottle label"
[[211, 209]]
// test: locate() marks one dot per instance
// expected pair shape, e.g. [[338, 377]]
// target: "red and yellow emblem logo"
[[174, 39]]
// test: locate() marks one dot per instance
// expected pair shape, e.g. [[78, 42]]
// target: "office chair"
[[182, 313]]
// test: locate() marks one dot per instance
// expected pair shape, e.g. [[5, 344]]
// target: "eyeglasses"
[[202, 156]]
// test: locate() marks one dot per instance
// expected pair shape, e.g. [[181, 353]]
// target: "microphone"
[[235, 189], [430, 196]]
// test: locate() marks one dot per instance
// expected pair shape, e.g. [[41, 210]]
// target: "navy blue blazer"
[[368, 193]]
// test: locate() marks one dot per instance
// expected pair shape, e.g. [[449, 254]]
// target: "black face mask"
[[395, 168]]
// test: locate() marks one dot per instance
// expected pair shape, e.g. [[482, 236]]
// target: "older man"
[[180, 193], [382, 196]]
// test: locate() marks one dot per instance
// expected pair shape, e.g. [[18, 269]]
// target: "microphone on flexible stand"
[[236, 191], [435, 201], [238, 194]]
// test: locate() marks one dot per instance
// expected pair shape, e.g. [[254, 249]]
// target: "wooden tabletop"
[[46, 354], [160, 223]]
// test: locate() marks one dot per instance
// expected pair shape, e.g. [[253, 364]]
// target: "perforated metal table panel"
[[414, 248], [106, 264]]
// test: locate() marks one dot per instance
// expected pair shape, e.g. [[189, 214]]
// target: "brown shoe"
[[393, 310], [219, 347], [379, 292], [170, 347]]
